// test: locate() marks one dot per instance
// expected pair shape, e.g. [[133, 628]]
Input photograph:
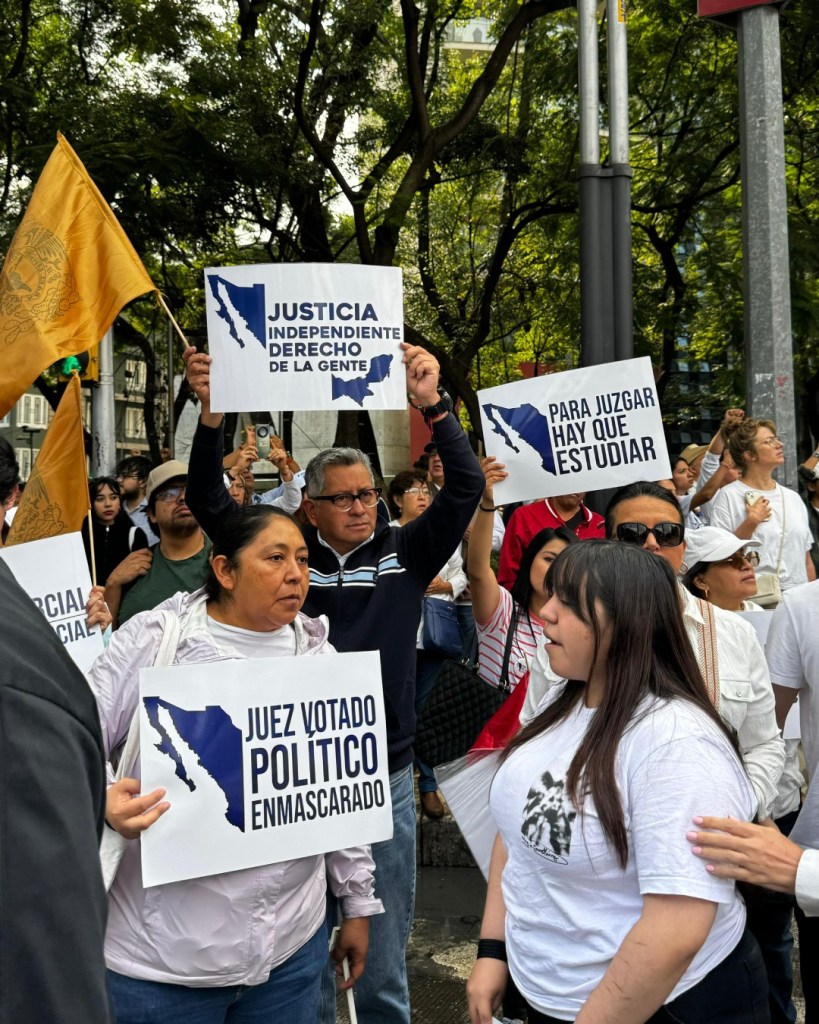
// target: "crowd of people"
[[642, 869]]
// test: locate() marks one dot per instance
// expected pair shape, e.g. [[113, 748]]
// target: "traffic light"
[[85, 363]]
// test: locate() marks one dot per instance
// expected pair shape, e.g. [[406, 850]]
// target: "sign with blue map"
[[580, 430], [305, 336], [54, 574], [262, 761]]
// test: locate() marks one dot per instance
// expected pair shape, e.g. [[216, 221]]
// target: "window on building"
[[135, 376], [134, 424], [32, 411], [26, 457], [6, 420]]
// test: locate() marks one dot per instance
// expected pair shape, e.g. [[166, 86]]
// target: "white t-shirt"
[[569, 903], [728, 510], [251, 644], [792, 652]]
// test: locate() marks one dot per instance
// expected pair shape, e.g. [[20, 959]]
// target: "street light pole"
[[768, 341], [620, 179], [590, 185]]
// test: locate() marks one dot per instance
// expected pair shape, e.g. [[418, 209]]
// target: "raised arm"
[[482, 580], [427, 542], [206, 494]]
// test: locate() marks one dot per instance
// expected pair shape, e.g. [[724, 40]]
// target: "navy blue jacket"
[[374, 603]]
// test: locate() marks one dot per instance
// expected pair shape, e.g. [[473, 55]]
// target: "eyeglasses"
[[667, 535], [171, 494], [417, 490], [738, 560], [771, 441], [125, 476], [345, 501]]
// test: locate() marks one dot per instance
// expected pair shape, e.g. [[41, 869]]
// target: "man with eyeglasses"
[[178, 563], [132, 477], [369, 580]]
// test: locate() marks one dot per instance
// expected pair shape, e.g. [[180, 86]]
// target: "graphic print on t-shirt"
[[547, 819]]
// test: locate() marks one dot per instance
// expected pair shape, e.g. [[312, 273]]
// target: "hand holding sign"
[[422, 374], [494, 472], [130, 814], [197, 371]]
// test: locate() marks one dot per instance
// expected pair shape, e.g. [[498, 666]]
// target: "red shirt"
[[528, 520]]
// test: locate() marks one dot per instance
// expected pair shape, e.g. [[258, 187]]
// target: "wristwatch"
[[444, 404]]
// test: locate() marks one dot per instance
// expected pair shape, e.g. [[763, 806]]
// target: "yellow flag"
[[56, 500], [68, 273]]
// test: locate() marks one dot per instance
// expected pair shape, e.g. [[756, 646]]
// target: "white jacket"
[[229, 929]]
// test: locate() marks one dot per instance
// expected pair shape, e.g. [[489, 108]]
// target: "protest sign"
[[581, 430], [54, 573], [305, 336], [262, 761]]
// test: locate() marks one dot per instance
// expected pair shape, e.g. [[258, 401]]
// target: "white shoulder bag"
[[112, 844]]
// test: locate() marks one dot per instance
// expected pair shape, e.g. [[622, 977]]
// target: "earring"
[[683, 569], [706, 591]]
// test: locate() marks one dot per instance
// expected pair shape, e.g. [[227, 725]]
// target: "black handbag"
[[459, 706]]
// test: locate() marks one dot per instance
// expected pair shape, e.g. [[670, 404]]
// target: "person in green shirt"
[[178, 563]]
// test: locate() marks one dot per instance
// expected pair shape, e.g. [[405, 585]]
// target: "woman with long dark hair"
[[498, 612], [590, 899], [114, 534]]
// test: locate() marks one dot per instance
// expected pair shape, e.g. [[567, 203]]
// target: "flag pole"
[[178, 329], [91, 549]]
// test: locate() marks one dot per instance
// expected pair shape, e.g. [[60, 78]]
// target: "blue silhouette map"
[[247, 300], [359, 387], [529, 424], [217, 744]]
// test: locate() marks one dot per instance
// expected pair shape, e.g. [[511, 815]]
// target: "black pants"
[[734, 992], [769, 921]]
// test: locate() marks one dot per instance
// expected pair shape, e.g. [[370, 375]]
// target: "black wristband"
[[483, 508], [492, 949]]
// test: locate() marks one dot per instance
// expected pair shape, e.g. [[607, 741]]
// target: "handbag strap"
[[503, 682], [782, 537], [708, 653], [164, 657]]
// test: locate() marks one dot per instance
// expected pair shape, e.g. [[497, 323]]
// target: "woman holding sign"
[[247, 945], [591, 905]]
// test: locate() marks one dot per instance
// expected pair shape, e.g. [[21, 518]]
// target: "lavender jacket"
[[229, 929]]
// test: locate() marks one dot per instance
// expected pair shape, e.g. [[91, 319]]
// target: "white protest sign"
[[580, 430], [305, 336], [54, 573], [263, 761]]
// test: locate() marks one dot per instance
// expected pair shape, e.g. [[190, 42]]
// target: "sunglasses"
[[738, 560], [667, 535]]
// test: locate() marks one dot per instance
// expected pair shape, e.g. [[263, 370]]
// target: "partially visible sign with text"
[[54, 573]]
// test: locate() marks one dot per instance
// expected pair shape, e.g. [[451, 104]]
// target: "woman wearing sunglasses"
[[721, 569]]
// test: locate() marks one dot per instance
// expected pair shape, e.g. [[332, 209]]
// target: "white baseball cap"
[[713, 544]]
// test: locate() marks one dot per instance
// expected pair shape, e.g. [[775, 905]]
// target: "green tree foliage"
[[251, 130]]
